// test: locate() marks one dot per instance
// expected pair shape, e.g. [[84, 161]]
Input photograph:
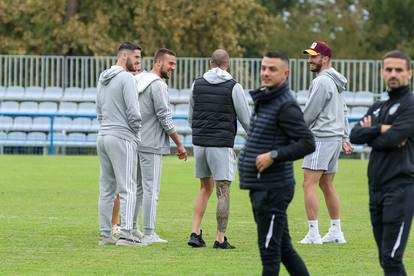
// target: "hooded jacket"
[[157, 123], [117, 105], [325, 112]]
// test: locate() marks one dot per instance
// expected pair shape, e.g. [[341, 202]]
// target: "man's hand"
[[366, 121], [347, 148], [182, 153], [264, 161], [385, 128]]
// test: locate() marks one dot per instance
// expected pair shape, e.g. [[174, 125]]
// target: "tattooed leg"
[[223, 204]]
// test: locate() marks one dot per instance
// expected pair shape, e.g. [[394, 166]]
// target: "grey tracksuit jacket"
[[157, 123], [117, 105], [325, 112]]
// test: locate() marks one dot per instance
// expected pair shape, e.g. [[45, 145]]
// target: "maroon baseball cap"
[[319, 48]]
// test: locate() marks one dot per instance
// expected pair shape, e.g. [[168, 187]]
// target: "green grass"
[[48, 225]]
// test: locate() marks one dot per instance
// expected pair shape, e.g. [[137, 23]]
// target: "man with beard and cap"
[[325, 115], [119, 120], [157, 128], [217, 101], [277, 136], [388, 128]]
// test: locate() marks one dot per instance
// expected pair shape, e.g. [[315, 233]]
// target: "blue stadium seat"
[[2, 92], [89, 94], [62, 123], [16, 138], [302, 97], [185, 95], [364, 98], [94, 125], [87, 108], [3, 137], [47, 108], [14, 93], [41, 124], [81, 124], [173, 95], [181, 109], [76, 139], [349, 97], [73, 94], [384, 96], [358, 112], [28, 107], [188, 140], [239, 142], [182, 126], [22, 123], [53, 93], [59, 138], [91, 139], [68, 108], [6, 123], [36, 139], [10, 107], [34, 93]]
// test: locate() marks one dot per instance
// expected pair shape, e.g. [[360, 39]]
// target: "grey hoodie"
[[157, 123], [117, 105], [241, 105], [325, 112]]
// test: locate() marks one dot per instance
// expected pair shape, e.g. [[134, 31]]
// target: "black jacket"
[[214, 121], [276, 124], [392, 157]]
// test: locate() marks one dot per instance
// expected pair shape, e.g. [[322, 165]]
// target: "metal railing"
[[77, 71]]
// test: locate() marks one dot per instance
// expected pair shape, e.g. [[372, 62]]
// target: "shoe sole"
[[196, 245], [336, 242], [131, 244]]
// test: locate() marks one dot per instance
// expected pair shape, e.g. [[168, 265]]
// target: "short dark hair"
[[128, 46], [400, 55], [163, 51], [278, 54]]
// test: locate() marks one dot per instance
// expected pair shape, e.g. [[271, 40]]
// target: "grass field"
[[48, 225]]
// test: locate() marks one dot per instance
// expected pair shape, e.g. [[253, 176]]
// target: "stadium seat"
[[28, 107], [62, 123], [76, 139], [36, 139], [14, 93], [173, 95], [6, 123], [364, 98], [68, 108], [248, 96], [91, 139], [3, 137], [87, 108], [349, 97], [181, 109], [53, 93], [80, 124], [16, 138], [10, 106], [48, 108], [34, 93], [22, 123], [182, 126], [293, 93], [188, 140], [72, 94], [89, 94], [94, 125], [2, 92], [185, 95], [358, 112], [239, 142], [302, 97], [59, 138], [41, 124]]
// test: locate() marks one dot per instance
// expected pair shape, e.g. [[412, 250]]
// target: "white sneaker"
[[116, 230], [334, 237], [311, 239], [154, 238], [138, 234], [131, 242]]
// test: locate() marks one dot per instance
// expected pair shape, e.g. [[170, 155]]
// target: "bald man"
[[216, 103]]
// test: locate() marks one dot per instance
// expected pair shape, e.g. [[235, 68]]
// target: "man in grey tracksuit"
[[325, 115], [119, 119], [217, 101], [157, 128]]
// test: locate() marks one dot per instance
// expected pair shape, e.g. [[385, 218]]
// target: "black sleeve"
[[401, 129], [291, 122], [363, 135]]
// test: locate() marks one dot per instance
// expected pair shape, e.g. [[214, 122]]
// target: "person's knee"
[[223, 188]]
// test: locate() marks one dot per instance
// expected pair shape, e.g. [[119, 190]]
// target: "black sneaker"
[[196, 240], [223, 245]]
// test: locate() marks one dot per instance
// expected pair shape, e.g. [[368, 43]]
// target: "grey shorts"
[[219, 163], [324, 158]]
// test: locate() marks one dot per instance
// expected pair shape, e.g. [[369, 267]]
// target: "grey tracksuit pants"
[[118, 164], [148, 179]]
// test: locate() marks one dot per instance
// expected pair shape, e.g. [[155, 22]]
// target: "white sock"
[[335, 225], [313, 228]]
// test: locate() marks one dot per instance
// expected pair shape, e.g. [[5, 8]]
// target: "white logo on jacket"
[[394, 108]]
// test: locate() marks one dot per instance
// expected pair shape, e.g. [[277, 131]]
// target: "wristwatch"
[[274, 154]]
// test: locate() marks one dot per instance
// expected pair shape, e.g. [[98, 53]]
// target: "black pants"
[[392, 211], [269, 210]]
